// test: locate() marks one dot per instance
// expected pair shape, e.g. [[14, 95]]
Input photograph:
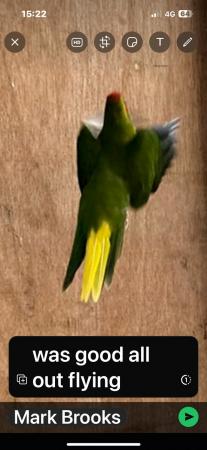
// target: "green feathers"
[[118, 167], [88, 149]]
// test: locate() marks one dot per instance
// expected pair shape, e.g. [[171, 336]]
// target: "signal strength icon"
[[156, 14]]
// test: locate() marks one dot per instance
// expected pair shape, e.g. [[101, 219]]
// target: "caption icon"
[[21, 379]]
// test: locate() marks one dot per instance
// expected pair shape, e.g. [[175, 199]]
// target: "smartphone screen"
[[103, 213]]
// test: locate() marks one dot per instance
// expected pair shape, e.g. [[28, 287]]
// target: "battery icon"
[[185, 13]]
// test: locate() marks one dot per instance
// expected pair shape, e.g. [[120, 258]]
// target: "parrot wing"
[[115, 251], [87, 152], [88, 148], [77, 255], [167, 137], [95, 124], [149, 155]]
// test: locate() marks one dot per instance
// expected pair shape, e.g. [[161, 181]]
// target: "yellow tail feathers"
[[97, 253]]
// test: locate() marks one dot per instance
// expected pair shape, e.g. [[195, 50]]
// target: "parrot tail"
[[97, 254]]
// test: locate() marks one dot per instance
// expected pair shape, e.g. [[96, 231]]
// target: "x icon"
[[14, 42]]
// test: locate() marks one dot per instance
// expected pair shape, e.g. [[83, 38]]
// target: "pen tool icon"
[[187, 42]]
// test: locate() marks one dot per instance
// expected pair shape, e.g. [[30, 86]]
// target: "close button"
[[14, 42]]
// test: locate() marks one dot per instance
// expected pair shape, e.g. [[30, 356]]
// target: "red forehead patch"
[[114, 97]]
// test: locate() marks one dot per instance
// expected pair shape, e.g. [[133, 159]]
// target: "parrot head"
[[116, 109], [117, 121]]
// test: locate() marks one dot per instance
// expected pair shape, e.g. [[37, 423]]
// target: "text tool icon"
[[77, 42], [104, 42], [188, 417], [132, 42], [159, 42], [14, 42]]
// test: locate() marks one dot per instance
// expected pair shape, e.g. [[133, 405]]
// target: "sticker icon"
[[132, 42]]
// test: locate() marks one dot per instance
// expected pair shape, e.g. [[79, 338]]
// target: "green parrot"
[[119, 167]]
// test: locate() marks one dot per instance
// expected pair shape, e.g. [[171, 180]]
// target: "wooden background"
[[160, 283]]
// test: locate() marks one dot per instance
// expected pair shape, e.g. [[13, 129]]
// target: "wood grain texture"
[[160, 282]]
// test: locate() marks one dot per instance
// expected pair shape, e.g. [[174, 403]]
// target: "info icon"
[[104, 42], [14, 42], [77, 42], [132, 42], [159, 42]]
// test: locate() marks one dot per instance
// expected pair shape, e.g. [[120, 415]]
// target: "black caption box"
[[103, 366]]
